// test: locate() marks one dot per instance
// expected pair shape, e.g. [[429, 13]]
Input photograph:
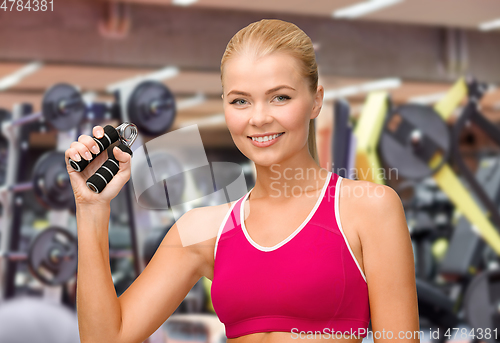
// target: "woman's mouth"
[[265, 141]]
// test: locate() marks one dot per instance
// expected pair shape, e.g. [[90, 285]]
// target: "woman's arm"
[[98, 309], [160, 288], [389, 265]]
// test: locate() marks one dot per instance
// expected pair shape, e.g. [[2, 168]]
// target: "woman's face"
[[267, 97]]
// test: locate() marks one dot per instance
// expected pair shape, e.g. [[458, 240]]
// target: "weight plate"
[[151, 107], [164, 167], [482, 303], [63, 107], [412, 136], [52, 257], [51, 182]]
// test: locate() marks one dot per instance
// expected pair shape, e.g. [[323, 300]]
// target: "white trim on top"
[[337, 217], [286, 240], [222, 227]]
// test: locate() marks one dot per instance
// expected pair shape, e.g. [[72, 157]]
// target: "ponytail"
[[311, 141]]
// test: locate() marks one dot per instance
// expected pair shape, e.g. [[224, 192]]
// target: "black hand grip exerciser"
[[105, 173], [110, 136], [126, 133]]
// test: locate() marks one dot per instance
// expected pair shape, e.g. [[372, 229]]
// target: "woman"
[[304, 254]]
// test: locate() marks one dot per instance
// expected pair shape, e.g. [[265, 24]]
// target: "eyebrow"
[[268, 92]]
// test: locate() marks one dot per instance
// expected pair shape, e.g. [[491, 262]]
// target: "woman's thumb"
[[120, 155]]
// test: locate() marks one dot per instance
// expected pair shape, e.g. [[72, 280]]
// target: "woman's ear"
[[318, 102]]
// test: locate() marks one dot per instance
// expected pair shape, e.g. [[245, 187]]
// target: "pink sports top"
[[311, 281]]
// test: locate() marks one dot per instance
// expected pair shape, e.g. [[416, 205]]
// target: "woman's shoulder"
[[370, 199], [367, 193]]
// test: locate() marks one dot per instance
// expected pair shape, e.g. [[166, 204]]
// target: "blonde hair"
[[272, 35]]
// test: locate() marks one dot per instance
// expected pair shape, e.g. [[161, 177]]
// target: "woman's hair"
[[272, 35]]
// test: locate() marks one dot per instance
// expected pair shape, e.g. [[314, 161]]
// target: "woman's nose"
[[260, 115]]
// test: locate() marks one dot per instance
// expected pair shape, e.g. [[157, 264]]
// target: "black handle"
[[103, 175], [110, 136]]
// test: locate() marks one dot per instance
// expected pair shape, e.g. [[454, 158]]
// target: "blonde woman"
[[305, 254]]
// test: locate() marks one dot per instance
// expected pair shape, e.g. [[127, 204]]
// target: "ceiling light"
[[363, 8], [14, 78], [367, 87], [183, 2], [489, 25]]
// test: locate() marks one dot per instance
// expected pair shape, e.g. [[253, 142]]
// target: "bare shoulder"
[[369, 201], [199, 228]]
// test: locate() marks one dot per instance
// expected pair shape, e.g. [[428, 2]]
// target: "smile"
[[265, 140]]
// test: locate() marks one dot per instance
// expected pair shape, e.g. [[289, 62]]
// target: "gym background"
[[410, 86]]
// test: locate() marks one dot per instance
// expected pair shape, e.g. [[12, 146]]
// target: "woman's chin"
[[266, 161]]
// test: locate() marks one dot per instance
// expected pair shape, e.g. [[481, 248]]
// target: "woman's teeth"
[[266, 138]]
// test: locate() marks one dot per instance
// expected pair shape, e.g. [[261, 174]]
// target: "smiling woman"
[[303, 254], [284, 265]]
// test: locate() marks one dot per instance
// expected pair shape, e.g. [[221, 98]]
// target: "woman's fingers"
[[98, 131], [94, 165], [124, 159], [73, 154], [85, 145], [121, 156], [90, 144]]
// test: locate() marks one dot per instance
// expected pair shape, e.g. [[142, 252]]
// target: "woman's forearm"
[[99, 314]]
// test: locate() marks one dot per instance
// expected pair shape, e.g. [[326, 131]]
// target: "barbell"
[[52, 256], [62, 107], [151, 106], [50, 182]]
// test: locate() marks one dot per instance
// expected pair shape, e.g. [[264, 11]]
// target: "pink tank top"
[[311, 281]]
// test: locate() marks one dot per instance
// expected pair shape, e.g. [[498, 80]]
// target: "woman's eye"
[[238, 102], [282, 98]]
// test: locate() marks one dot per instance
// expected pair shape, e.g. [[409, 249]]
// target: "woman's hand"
[[82, 149]]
